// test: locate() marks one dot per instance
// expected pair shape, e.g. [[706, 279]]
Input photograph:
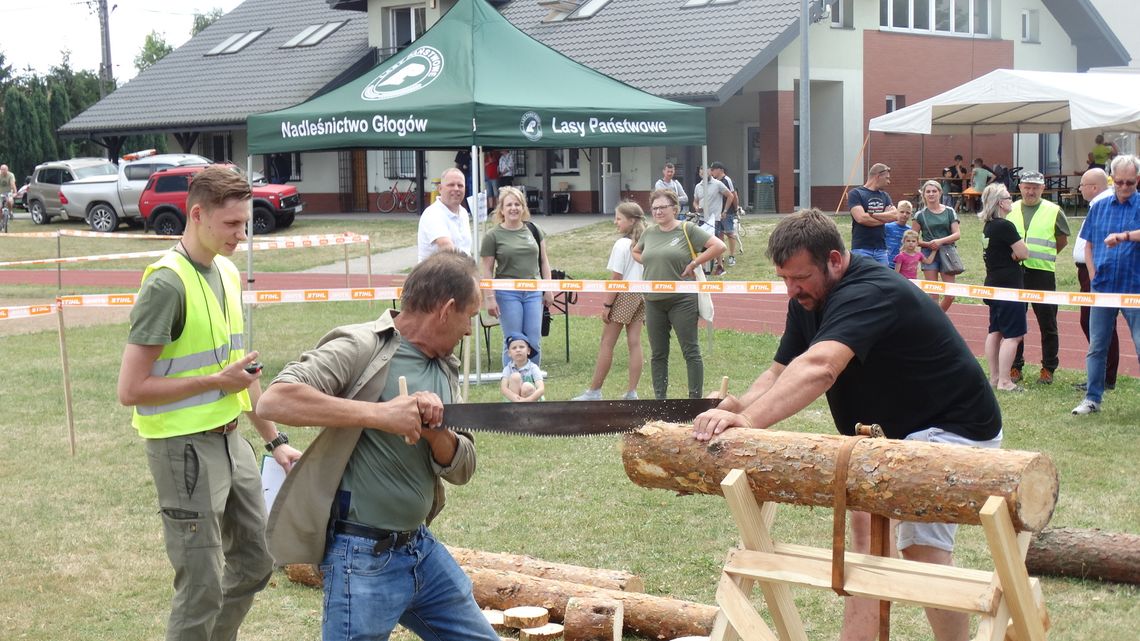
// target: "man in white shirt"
[[444, 224], [668, 182]]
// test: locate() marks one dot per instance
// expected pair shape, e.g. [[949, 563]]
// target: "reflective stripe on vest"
[[207, 344], [1041, 236]]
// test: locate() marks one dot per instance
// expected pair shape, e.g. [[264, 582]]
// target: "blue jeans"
[[418, 585], [877, 255], [521, 313], [1102, 325]]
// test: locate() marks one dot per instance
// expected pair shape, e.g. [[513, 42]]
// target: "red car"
[[163, 202]]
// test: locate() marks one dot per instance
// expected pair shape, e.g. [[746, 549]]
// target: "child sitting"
[[522, 380], [907, 260], [894, 231]]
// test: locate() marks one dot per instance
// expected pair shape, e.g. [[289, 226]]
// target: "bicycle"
[[394, 198], [5, 213]]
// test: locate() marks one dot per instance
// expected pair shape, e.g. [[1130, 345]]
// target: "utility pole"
[[106, 79]]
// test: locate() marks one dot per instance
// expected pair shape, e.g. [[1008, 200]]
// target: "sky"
[[36, 31]]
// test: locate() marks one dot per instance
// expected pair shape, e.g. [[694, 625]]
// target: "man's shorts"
[[937, 535], [1007, 318], [877, 255], [726, 225], [492, 187]]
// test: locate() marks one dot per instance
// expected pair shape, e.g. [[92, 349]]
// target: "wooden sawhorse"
[[1009, 602]]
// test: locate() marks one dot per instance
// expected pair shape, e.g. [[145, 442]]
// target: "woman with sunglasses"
[[666, 251]]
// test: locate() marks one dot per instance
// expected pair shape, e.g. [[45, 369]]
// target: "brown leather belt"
[[224, 429]]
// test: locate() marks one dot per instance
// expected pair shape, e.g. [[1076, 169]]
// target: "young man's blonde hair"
[[215, 185]]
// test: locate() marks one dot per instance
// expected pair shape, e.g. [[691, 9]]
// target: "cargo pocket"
[[190, 467]]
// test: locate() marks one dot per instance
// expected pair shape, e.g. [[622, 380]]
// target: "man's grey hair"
[[457, 170], [443, 276], [1120, 162]]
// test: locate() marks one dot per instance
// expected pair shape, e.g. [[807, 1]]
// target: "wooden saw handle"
[[404, 392]]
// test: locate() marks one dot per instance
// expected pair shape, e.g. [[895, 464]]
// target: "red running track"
[[748, 313]]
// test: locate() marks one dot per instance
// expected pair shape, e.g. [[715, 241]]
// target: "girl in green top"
[[938, 225], [516, 248], [664, 251]]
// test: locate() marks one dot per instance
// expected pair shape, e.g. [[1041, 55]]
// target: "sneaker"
[[1015, 374], [1084, 387], [589, 395], [630, 396], [731, 260], [1086, 407], [1045, 377], [718, 271]]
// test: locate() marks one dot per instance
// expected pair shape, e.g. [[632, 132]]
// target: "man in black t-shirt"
[[871, 208], [852, 328]]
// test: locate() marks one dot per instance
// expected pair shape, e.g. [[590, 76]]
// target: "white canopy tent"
[[1027, 102]]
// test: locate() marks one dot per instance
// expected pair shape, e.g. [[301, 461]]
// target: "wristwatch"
[[282, 438]]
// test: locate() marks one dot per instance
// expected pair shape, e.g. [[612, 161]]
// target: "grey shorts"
[[937, 535]]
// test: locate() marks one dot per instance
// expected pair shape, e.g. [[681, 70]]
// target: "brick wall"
[[919, 67]]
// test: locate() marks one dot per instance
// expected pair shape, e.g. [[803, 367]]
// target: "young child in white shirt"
[[522, 380]]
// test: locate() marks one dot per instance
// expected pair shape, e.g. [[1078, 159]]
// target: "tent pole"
[[476, 188], [247, 308], [1060, 148]]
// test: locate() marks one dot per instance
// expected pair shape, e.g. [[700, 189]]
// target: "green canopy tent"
[[474, 79]]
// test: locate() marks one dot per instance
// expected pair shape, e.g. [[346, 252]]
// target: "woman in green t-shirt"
[[516, 248], [664, 251]]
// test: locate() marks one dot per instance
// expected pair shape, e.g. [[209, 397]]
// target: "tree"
[[60, 112], [203, 20], [154, 49], [23, 151]]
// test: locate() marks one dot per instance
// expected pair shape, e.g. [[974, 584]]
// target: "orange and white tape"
[[27, 311], [320, 295], [288, 242]]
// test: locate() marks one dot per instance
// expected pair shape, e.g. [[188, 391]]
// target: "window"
[[949, 17], [562, 161], [842, 14], [139, 171], [313, 34], [702, 3], [589, 8], [1030, 26], [895, 102], [407, 24], [400, 163], [171, 184], [236, 43]]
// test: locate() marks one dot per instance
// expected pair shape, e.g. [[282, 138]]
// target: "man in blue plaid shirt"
[[1113, 258]]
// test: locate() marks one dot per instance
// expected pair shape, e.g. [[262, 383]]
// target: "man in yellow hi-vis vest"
[[186, 372], [1045, 230]]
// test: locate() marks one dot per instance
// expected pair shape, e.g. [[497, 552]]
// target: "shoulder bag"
[[704, 299]]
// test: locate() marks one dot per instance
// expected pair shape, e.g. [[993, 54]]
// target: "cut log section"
[[525, 616], [548, 632], [905, 480], [495, 618], [1085, 554], [599, 578], [305, 574], [593, 619], [645, 615]]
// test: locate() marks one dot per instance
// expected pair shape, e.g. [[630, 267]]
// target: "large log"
[[599, 578], [1085, 554], [593, 619], [645, 615], [904, 480]]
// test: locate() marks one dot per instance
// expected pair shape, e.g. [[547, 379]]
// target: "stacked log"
[[597, 577], [593, 619], [905, 480], [647, 616], [1085, 554]]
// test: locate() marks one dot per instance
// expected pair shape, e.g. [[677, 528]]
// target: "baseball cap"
[[1032, 178], [519, 337]]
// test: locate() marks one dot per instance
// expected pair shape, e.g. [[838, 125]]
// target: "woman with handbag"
[[516, 248], [1003, 249], [621, 309], [939, 229], [667, 251]]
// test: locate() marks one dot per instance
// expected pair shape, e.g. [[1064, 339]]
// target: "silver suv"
[[43, 193]]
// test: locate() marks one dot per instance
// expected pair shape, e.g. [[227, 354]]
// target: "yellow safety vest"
[[206, 346], [1042, 238]]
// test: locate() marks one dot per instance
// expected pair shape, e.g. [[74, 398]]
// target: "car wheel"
[[102, 217], [263, 221], [285, 220], [38, 215], [168, 223]]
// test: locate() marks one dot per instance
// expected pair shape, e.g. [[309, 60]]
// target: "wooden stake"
[[66, 375]]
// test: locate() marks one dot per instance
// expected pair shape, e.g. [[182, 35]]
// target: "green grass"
[[85, 558]]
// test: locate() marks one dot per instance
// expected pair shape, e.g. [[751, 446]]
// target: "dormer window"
[[559, 10]]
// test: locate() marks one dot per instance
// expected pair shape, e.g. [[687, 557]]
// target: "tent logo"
[[531, 126], [411, 73]]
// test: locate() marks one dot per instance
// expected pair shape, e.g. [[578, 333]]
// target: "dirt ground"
[[72, 317]]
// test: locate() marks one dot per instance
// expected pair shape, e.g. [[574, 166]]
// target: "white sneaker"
[[1086, 407], [630, 396], [589, 395], [731, 260]]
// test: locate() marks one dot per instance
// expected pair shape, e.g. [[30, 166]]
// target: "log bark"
[[905, 480], [599, 578], [305, 574], [1085, 554], [647, 616], [593, 619]]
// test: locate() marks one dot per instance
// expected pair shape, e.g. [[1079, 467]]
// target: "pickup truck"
[[163, 202], [106, 201]]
